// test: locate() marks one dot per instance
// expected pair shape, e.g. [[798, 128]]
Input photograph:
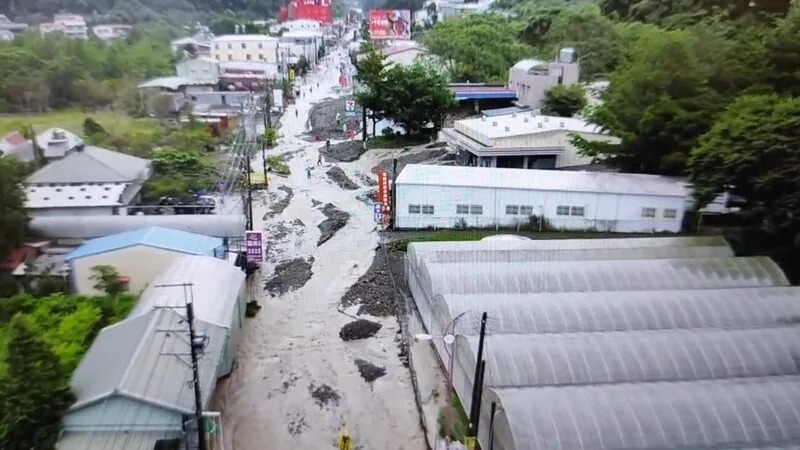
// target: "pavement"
[[297, 384]]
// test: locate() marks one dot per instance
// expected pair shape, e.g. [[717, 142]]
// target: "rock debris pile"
[[359, 329]]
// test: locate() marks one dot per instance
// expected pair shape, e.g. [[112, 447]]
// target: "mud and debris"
[[297, 425], [337, 175], [359, 329], [315, 203], [346, 151], [416, 157], [374, 291], [336, 220], [290, 275], [369, 372], [324, 395], [278, 201], [322, 119], [367, 180]]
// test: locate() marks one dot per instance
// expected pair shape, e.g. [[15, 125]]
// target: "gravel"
[[359, 329], [322, 119], [337, 175], [369, 372], [336, 220], [279, 202], [290, 275], [324, 394], [374, 291], [346, 151], [424, 156]]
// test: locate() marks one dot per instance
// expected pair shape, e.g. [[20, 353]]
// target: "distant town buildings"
[[70, 25], [245, 47], [9, 28], [531, 78]]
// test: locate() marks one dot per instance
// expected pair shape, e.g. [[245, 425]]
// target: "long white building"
[[430, 196]]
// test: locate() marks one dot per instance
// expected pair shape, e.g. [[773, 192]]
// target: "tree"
[[564, 101], [783, 48], [14, 217], [177, 162], [477, 47], [416, 97], [372, 93], [752, 151], [302, 66], [106, 279], [34, 391]]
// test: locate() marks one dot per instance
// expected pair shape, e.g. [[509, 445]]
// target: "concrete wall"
[[235, 334], [199, 70], [79, 211], [531, 87], [140, 263], [119, 411], [264, 51], [555, 139], [604, 212]]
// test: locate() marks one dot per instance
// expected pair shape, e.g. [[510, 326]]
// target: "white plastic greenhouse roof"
[[568, 249], [575, 312], [709, 414], [586, 276], [515, 360]]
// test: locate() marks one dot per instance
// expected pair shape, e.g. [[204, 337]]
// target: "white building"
[[522, 140], [198, 45], [199, 69], [245, 47], [311, 41], [299, 25], [112, 32], [452, 196], [532, 78], [71, 25]]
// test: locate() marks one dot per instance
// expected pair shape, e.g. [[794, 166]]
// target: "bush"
[[278, 165]]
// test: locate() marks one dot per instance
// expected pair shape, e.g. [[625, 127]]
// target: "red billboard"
[[319, 10], [390, 24]]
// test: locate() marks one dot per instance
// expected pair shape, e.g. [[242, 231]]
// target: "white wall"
[[140, 263], [604, 212], [118, 411], [77, 211]]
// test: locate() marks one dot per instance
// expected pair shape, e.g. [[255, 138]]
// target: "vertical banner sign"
[[384, 195], [377, 211], [254, 246]]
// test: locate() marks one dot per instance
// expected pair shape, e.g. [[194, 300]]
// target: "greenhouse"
[[489, 250], [565, 359], [576, 312], [732, 413], [429, 279]]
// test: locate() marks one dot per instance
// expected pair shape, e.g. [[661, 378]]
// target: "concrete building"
[[451, 196], [199, 69], [137, 255], [522, 140], [87, 181], [196, 46], [311, 41], [298, 25], [531, 78], [112, 32], [245, 47], [70, 25]]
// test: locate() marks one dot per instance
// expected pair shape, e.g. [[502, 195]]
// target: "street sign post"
[[350, 108], [377, 211], [254, 246]]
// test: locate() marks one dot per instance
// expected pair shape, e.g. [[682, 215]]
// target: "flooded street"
[[297, 384]]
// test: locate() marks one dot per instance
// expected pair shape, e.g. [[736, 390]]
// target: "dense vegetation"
[[39, 73]]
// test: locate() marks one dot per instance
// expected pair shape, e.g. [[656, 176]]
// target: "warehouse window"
[[670, 213], [648, 212], [526, 210], [248, 57], [414, 209], [577, 211], [512, 209], [476, 209], [244, 46], [427, 209], [462, 209], [562, 210]]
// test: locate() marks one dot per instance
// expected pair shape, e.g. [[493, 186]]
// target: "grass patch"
[[115, 123], [457, 419], [278, 165], [396, 141]]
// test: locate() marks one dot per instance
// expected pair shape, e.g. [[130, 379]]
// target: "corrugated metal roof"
[[215, 289], [158, 237], [540, 180], [114, 440], [87, 227], [145, 360], [91, 165]]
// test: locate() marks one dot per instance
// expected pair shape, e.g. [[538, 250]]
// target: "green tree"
[[35, 390], [185, 163], [372, 92], [564, 101], [14, 217], [302, 66], [783, 49], [477, 47], [106, 279], [416, 97], [752, 151]]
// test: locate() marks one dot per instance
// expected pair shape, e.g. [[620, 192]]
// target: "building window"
[[230, 46], [526, 210], [414, 209], [476, 210], [261, 56], [248, 57], [260, 45], [462, 209], [427, 209], [512, 209], [217, 57], [230, 57], [216, 46], [244, 46], [577, 211], [649, 212], [562, 210], [670, 213]]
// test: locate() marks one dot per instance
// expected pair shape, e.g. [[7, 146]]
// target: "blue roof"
[[158, 237]]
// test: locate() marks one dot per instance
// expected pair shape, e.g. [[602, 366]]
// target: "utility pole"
[[198, 399], [249, 190], [267, 125], [477, 383]]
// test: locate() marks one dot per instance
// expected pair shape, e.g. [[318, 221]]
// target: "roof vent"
[[546, 119], [508, 129], [494, 124], [539, 125], [561, 124], [525, 120], [513, 114]]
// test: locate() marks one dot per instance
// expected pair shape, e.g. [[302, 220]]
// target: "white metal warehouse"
[[455, 196], [616, 344]]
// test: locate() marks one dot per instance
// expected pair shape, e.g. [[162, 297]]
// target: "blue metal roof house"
[[137, 255]]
